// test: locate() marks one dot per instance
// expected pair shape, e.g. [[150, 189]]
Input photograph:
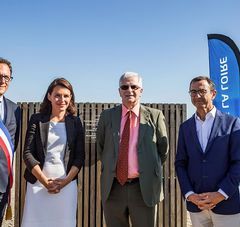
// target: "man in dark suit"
[[10, 116], [132, 144], [208, 160]]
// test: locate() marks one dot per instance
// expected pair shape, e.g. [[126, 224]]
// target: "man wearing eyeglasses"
[[10, 116], [132, 144], [208, 160]]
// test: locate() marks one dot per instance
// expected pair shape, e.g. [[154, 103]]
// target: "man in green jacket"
[[132, 145]]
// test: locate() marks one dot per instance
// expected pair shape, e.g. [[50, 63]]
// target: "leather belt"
[[130, 180]]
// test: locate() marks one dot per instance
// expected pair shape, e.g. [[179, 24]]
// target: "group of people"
[[132, 144], [53, 154]]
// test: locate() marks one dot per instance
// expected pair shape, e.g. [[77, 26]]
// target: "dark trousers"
[[126, 202], [3, 203]]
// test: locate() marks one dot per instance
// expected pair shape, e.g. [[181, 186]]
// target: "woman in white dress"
[[53, 154]]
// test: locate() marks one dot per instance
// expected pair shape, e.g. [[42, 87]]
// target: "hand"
[[201, 201], [194, 198], [206, 204], [52, 187], [211, 199], [61, 182]]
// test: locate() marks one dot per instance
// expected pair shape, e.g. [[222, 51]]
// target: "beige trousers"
[[207, 218]]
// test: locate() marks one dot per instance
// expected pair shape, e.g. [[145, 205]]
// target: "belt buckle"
[[131, 180]]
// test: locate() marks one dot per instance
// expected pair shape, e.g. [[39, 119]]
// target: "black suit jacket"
[[36, 144], [12, 122]]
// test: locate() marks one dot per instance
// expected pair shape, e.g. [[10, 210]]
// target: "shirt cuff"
[[188, 194], [223, 193]]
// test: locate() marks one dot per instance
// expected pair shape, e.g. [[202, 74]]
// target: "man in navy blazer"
[[208, 160], [10, 116]]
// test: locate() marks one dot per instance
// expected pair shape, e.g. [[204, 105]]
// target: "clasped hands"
[[207, 200], [54, 186]]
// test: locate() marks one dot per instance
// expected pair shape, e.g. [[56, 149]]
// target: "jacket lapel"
[[44, 127], [144, 118], [193, 129], [214, 130], [69, 123], [116, 122], [5, 106]]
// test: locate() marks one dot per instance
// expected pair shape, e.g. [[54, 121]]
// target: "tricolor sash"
[[7, 147]]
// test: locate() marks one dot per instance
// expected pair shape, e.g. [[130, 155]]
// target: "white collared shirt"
[[204, 127]]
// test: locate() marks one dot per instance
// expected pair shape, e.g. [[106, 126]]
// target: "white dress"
[[43, 209]]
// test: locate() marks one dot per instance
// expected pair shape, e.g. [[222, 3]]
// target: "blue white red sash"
[[6, 146]]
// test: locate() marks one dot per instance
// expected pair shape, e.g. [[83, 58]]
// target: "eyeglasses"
[[126, 87], [200, 92], [5, 77]]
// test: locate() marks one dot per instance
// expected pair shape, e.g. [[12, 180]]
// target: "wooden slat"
[[93, 166], [184, 211], [178, 209], [171, 166], [24, 122], [166, 217], [86, 182], [80, 207], [99, 211], [17, 176]]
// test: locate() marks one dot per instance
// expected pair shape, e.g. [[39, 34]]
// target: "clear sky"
[[91, 43]]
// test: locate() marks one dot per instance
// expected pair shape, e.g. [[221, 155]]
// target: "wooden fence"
[[171, 212]]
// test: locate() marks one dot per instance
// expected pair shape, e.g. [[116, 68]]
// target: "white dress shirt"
[[204, 127]]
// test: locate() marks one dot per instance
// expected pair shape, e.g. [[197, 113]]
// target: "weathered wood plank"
[[80, 208]]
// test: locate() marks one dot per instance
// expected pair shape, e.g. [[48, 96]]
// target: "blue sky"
[[91, 43]]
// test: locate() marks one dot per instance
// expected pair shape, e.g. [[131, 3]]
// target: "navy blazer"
[[36, 144], [216, 168], [12, 122]]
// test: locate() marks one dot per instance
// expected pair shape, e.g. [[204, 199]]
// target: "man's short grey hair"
[[128, 75]]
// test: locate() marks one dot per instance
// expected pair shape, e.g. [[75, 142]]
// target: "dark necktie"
[[122, 164]]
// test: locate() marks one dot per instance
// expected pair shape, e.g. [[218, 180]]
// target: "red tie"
[[122, 164]]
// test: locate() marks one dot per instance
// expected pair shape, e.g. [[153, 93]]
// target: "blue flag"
[[224, 62]]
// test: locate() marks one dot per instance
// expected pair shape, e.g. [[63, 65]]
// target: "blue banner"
[[224, 62]]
